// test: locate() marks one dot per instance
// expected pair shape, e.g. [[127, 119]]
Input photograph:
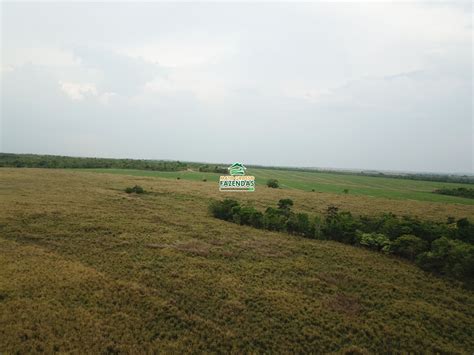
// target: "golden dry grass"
[[86, 268]]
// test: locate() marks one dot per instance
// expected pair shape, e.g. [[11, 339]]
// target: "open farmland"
[[390, 188], [85, 267]]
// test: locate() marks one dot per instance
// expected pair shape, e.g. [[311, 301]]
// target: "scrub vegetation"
[[135, 189], [442, 247], [460, 191], [87, 268]]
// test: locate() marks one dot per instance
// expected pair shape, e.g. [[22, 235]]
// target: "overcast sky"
[[345, 85]]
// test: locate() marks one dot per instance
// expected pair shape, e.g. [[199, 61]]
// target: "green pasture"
[[399, 189]]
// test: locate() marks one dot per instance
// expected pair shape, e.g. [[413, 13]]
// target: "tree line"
[[56, 161], [213, 169], [460, 192], [445, 248]]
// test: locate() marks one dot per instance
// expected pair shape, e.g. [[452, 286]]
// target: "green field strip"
[[382, 187]]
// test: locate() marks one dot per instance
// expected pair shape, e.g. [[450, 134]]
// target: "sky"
[[355, 85]]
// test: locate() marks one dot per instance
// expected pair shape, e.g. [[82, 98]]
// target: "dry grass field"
[[87, 268]]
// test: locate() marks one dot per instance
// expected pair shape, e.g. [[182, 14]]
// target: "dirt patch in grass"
[[342, 303]]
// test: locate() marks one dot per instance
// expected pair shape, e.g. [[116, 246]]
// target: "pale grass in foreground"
[[85, 267]]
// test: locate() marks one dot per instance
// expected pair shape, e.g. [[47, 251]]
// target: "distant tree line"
[[463, 179], [441, 247], [55, 161], [460, 192], [213, 169]]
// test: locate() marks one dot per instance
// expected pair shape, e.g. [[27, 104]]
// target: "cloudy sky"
[[347, 85]]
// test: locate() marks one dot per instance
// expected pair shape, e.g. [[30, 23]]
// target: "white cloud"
[[47, 56], [6, 69], [189, 52], [202, 85], [78, 91], [107, 97]]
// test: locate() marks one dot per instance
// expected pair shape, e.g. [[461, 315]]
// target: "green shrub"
[[394, 227], [464, 230], [304, 225], [285, 204], [274, 220], [409, 246], [374, 241], [223, 209], [136, 189], [449, 257], [273, 183], [340, 226], [247, 215], [256, 219]]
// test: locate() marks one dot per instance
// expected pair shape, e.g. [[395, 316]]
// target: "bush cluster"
[[273, 183], [442, 247], [460, 192], [136, 189]]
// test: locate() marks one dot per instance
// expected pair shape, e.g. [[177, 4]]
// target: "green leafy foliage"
[[464, 230], [274, 219], [460, 192], [223, 209], [135, 189], [409, 246], [285, 204], [299, 223], [340, 226], [374, 241], [273, 183], [449, 257]]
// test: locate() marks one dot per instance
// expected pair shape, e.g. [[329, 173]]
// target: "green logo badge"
[[237, 169], [237, 180]]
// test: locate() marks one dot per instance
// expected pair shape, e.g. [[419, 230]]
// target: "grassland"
[[87, 268], [398, 189]]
